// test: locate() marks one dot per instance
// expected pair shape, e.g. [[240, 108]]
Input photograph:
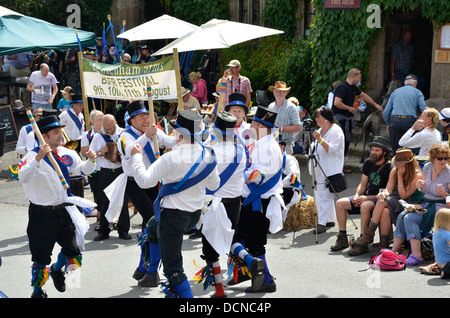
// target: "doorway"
[[422, 40]]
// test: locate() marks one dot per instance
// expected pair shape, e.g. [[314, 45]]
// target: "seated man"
[[375, 175]]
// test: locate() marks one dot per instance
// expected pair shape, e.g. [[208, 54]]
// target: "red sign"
[[342, 4]]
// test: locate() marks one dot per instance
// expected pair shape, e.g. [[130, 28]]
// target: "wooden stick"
[[151, 111], [176, 64], [87, 121], [49, 155]]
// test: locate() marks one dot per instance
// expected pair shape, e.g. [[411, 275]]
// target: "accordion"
[[113, 152]]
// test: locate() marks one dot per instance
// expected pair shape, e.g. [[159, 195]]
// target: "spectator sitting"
[[434, 182], [441, 241], [444, 117], [423, 133], [199, 89], [401, 185], [375, 176]]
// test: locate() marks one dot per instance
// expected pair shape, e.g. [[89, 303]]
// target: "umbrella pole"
[[85, 103], [176, 63]]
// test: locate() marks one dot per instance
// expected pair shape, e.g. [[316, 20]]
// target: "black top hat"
[[77, 98], [135, 108], [237, 99], [187, 121], [225, 123], [265, 116], [48, 123], [49, 112], [381, 142]]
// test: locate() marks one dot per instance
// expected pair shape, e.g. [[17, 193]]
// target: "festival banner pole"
[[176, 63], [151, 111], [55, 165], [85, 103]]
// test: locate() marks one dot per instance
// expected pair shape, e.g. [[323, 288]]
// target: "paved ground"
[[303, 268]]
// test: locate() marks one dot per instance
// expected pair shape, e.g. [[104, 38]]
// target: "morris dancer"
[[109, 168], [186, 172], [261, 210], [53, 218], [73, 120], [221, 219], [125, 187]]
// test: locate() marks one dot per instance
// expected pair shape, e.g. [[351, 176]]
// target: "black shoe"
[[265, 288], [257, 271], [320, 229], [101, 237], [58, 279], [137, 275], [195, 235], [125, 236], [241, 278], [149, 280], [41, 294], [330, 224]]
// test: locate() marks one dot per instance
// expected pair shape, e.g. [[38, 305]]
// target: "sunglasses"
[[442, 158]]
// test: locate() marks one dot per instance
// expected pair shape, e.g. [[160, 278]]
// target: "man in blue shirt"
[[20, 67], [401, 110]]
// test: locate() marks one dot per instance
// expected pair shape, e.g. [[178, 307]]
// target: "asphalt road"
[[302, 267]]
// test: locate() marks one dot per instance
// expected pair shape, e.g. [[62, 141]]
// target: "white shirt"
[[43, 87], [40, 181], [163, 140], [98, 142], [21, 145], [292, 166], [332, 162], [71, 128], [266, 158], [225, 153], [172, 167], [424, 140], [244, 130]]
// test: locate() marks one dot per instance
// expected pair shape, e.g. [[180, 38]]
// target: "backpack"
[[388, 260]]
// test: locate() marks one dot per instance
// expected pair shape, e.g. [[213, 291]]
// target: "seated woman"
[[433, 184], [423, 133], [401, 185]]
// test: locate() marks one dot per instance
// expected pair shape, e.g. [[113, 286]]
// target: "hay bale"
[[301, 215]]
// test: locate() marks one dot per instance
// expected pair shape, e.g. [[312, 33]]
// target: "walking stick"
[[151, 110], [49, 155]]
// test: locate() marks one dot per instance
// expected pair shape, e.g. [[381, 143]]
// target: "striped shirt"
[[287, 116], [240, 85]]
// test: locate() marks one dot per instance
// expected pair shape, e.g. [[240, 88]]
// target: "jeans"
[[408, 226]]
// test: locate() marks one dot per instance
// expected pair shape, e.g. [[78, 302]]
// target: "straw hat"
[[279, 85], [67, 90]]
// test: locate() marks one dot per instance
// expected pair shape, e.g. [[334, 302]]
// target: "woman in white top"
[[423, 133], [328, 149]]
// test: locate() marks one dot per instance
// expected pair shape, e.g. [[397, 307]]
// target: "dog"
[[373, 122]]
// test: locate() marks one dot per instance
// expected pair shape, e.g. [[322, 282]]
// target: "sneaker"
[[58, 279], [341, 242], [149, 280]]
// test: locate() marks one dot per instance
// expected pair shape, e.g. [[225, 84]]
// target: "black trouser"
[[47, 226], [253, 227], [105, 178], [171, 228], [93, 184], [233, 208], [142, 199]]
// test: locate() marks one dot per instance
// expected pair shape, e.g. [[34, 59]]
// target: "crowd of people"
[[234, 176]]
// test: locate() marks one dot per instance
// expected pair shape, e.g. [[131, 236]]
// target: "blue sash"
[[28, 128], [173, 188], [63, 168], [147, 149], [228, 172], [75, 119], [257, 191], [66, 175]]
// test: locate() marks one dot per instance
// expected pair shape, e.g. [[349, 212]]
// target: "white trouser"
[[325, 204]]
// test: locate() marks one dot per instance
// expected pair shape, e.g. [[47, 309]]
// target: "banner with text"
[[129, 81]]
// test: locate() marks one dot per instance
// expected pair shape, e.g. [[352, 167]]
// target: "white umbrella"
[[164, 27], [217, 34]]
